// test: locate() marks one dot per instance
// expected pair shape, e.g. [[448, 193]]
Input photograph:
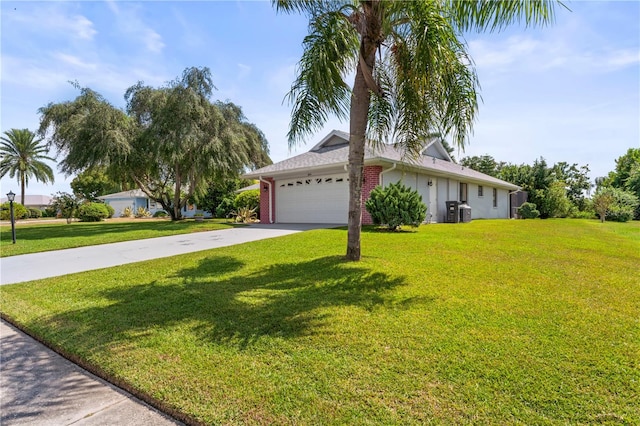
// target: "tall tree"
[[22, 155], [171, 141], [577, 182], [484, 164], [413, 75]]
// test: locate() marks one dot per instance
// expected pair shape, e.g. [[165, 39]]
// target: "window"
[[495, 197], [480, 191], [463, 192]]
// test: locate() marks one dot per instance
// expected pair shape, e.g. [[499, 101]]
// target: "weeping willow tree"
[[413, 75], [171, 141]]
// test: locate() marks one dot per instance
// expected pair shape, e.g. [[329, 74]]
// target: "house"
[[313, 187], [135, 199], [39, 202]]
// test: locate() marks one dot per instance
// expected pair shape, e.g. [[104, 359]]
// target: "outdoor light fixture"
[[11, 196], [429, 182]]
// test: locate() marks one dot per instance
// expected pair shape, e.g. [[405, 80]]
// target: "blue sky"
[[569, 92]]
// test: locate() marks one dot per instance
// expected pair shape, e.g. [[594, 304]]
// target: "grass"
[[491, 322], [34, 238]]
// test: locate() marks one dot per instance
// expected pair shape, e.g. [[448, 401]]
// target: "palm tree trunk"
[[360, 100], [22, 185]]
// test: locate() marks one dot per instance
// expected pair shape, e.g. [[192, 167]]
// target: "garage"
[[316, 199]]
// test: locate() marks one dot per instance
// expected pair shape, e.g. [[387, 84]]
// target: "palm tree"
[[21, 155], [413, 75]]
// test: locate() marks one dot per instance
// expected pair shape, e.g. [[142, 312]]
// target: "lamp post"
[[11, 196]]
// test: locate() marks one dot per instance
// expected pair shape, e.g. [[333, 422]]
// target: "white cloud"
[[130, 24], [74, 61], [509, 52], [245, 70], [529, 55], [52, 20], [281, 78], [82, 27]]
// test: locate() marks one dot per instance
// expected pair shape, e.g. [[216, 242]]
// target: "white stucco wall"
[[445, 189]]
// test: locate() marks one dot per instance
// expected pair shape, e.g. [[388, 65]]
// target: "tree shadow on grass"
[[223, 304]]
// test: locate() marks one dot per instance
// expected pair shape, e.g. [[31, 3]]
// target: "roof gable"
[[334, 139], [435, 149]]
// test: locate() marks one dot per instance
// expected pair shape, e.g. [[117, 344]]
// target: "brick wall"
[[371, 180], [264, 201]]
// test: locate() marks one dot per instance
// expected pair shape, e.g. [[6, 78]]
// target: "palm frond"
[[319, 91], [435, 85], [482, 15], [312, 7]]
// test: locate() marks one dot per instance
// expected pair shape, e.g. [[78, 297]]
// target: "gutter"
[[269, 195]]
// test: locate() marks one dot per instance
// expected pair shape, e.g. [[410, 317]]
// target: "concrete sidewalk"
[[27, 267], [39, 387]]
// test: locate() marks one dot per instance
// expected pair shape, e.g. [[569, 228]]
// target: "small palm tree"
[[22, 155]]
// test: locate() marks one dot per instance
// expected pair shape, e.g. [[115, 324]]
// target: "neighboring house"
[[313, 187], [136, 199], [248, 188], [39, 202]]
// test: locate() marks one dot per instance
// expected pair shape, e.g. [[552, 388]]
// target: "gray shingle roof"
[[338, 155], [31, 200], [134, 193]]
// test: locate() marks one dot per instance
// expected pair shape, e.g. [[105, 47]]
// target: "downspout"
[[269, 195], [385, 171]]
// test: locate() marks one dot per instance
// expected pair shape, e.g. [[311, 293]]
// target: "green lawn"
[[491, 322], [33, 238]]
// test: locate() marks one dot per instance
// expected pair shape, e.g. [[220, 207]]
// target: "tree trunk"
[[358, 129], [177, 214], [358, 118], [22, 185]]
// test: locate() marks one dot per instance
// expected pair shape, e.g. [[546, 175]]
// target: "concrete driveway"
[[28, 267]]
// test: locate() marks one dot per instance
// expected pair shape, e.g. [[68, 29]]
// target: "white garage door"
[[317, 199]]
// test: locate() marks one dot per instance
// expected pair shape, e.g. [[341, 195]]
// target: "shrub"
[[616, 204], [225, 208], [110, 209], [19, 211], [528, 211], [142, 212], [249, 199], [49, 211], [160, 213], [556, 203], [396, 205], [127, 212], [66, 204], [245, 215], [93, 212], [35, 213], [587, 214]]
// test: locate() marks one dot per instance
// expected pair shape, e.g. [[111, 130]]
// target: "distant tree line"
[[563, 189]]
